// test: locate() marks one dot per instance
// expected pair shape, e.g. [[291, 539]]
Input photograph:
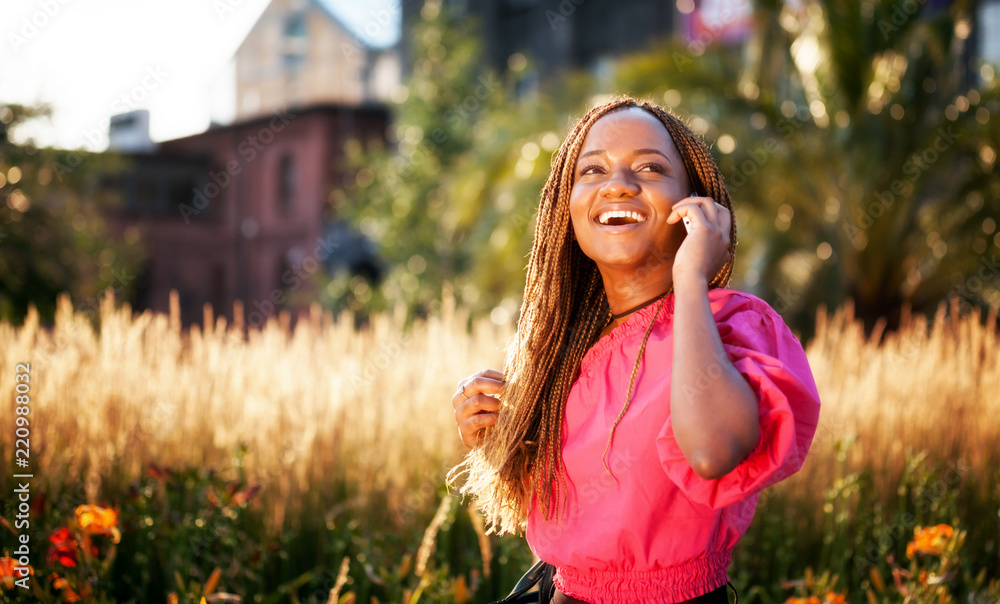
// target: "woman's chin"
[[633, 260]]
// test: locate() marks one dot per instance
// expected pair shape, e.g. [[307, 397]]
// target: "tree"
[[865, 153], [52, 237], [452, 203]]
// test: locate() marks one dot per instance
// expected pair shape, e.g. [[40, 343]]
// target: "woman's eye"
[[651, 168], [590, 170]]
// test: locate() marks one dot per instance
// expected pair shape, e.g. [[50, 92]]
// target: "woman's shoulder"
[[728, 303], [748, 322]]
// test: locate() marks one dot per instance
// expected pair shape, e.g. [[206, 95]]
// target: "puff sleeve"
[[771, 359]]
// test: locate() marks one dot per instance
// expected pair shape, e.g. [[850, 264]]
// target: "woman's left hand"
[[705, 249]]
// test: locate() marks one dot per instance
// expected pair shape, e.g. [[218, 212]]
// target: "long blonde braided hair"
[[519, 460]]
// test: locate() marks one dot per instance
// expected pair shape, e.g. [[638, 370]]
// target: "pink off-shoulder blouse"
[[657, 532]]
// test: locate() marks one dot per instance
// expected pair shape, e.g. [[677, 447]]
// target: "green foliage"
[[863, 164], [194, 532], [865, 154], [52, 233], [183, 524], [454, 202], [860, 533], [402, 197]]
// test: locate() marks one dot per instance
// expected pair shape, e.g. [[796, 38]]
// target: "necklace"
[[615, 317], [635, 373]]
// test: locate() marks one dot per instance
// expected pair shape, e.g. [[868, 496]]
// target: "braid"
[[519, 461], [631, 387]]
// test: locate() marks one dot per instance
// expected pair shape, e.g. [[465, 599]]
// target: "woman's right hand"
[[475, 408]]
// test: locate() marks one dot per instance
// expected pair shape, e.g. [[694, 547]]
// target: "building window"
[[287, 184], [294, 44], [287, 280], [182, 191], [293, 63], [218, 291], [295, 25]]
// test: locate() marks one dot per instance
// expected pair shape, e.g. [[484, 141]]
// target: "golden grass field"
[[326, 405]]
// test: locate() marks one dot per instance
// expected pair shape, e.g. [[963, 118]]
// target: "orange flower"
[[246, 495], [64, 586], [834, 598], [8, 574], [95, 520], [812, 600], [931, 540]]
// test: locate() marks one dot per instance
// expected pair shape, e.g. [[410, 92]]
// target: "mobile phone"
[[687, 221]]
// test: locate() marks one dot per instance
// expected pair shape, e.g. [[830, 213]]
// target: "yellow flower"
[[931, 540], [95, 520]]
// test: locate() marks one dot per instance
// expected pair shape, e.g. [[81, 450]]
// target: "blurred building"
[[563, 34], [241, 212], [129, 132], [299, 53]]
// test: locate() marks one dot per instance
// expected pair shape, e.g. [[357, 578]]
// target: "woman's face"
[[626, 180]]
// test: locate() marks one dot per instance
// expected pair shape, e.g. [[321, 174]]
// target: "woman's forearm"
[[712, 408]]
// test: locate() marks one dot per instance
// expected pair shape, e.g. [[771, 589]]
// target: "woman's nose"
[[620, 183]]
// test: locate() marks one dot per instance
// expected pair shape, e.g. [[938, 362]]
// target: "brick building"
[[241, 212]]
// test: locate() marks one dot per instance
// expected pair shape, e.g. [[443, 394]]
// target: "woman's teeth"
[[618, 217]]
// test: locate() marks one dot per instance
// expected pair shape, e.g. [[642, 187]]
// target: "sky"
[[90, 59]]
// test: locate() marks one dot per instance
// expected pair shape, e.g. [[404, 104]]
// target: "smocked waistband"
[[669, 584]]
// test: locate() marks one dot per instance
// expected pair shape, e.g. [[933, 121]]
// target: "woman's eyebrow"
[[650, 152], [636, 152]]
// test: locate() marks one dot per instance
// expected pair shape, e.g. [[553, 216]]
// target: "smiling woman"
[[643, 406]]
